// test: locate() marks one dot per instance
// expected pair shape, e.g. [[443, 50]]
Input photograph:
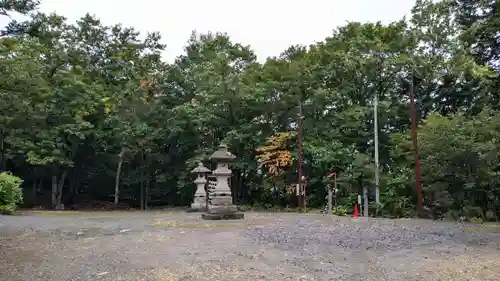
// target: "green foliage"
[[7, 209], [476, 220], [20, 6], [459, 161], [396, 197], [11, 193], [339, 210], [89, 111]]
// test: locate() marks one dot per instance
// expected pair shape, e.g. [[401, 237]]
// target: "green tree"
[[90, 112]]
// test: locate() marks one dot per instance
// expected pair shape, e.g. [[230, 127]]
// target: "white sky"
[[268, 26]]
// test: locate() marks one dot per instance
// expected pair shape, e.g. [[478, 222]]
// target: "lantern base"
[[196, 210], [199, 205], [230, 216]]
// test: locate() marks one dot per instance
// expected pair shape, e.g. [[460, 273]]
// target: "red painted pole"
[[418, 187]]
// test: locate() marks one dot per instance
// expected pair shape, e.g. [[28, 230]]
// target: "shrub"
[[10, 192], [339, 210]]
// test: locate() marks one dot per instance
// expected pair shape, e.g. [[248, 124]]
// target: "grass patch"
[[101, 219], [275, 209], [175, 224], [484, 228], [90, 214], [56, 213], [18, 235]]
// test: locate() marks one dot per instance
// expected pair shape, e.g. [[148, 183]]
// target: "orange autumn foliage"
[[146, 84], [149, 86], [275, 155]]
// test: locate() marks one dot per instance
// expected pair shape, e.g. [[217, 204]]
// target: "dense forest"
[[91, 113]]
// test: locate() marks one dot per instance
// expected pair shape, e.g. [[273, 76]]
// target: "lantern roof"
[[222, 153], [200, 169]]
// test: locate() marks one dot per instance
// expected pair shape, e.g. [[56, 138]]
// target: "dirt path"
[[177, 246]]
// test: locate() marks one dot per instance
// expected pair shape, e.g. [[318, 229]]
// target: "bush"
[[11, 193], [7, 209], [339, 210]]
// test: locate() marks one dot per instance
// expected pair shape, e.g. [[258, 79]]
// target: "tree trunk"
[[146, 193], [3, 160], [496, 207], [141, 179], [232, 186], [60, 186], [77, 186], [54, 191], [35, 185], [142, 194], [117, 179], [276, 194], [365, 200], [71, 191], [329, 200]]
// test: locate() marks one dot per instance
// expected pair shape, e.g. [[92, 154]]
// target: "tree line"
[[91, 113]]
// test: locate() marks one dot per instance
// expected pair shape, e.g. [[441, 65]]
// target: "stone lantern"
[[200, 197], [220, 199]]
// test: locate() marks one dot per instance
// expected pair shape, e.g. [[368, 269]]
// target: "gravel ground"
[[161, 246]]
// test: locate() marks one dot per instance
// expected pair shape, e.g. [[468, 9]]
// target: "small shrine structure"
[[220, 200]]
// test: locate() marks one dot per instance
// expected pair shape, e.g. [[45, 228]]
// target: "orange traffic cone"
[[356, 213]]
